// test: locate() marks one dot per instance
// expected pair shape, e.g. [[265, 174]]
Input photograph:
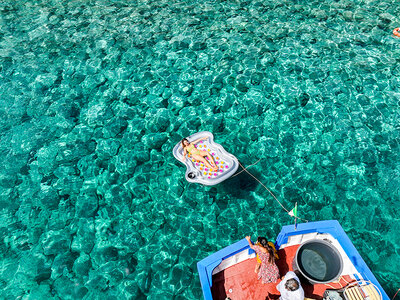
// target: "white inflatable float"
[[197, 171]]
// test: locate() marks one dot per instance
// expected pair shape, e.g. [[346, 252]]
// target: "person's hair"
[[264, 243], [183, 145], [292, 285]]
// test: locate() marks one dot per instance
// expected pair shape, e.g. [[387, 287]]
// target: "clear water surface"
[[95, 94]]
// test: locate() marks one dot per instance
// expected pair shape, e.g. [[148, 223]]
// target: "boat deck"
[[240, 281]]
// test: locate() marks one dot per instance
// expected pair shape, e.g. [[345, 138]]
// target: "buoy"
[[396, 31]]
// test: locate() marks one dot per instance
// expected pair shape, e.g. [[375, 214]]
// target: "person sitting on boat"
[[198, 154], [269, 271], [271, 244], [290, 287]]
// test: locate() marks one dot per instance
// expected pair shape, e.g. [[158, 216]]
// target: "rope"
[[245, 168], [333, 288], [338, 282], [272, 194], [341, 277], [395, 294]]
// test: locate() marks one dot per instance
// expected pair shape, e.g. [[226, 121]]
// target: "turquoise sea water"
[[95, 94]]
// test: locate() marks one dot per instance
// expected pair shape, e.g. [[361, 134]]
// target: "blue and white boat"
[[328, 264]]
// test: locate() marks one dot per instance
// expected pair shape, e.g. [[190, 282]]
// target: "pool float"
[[396, 31], [198, 172]]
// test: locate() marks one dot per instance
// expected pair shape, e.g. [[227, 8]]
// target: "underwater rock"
[[64, 171], [344, 180], [68, 185], [125, 162], [197, 46], [303, 99], [143, 279], [55, 242], [158, 120], [139, 191], [82, 265], [88, 167], [103, 254], [113, 272], [86, 205], [156, 88], [176, 103], [107, 148], [62, 264], [36, 266], [20, 240], [242, 87], [387, 18], [369, 157], [167, 93], [114, 127], [188, 256], [19, 284], [67, 289], [265, 147], [48, 197], [153, 101], [226, 101], [129, 240], [359, 15], [118, 196], [175, 188], [44, 80], [97, 115], [252, 102], [348, 15], [46, 158], [41, 291], [84, 239], [319, 14], [160, 294], [164, 260], [155, 140]]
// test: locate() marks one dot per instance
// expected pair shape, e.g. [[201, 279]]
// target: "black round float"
[[318, 261]]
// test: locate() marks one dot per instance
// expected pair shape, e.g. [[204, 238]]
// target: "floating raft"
[[197, 171]]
